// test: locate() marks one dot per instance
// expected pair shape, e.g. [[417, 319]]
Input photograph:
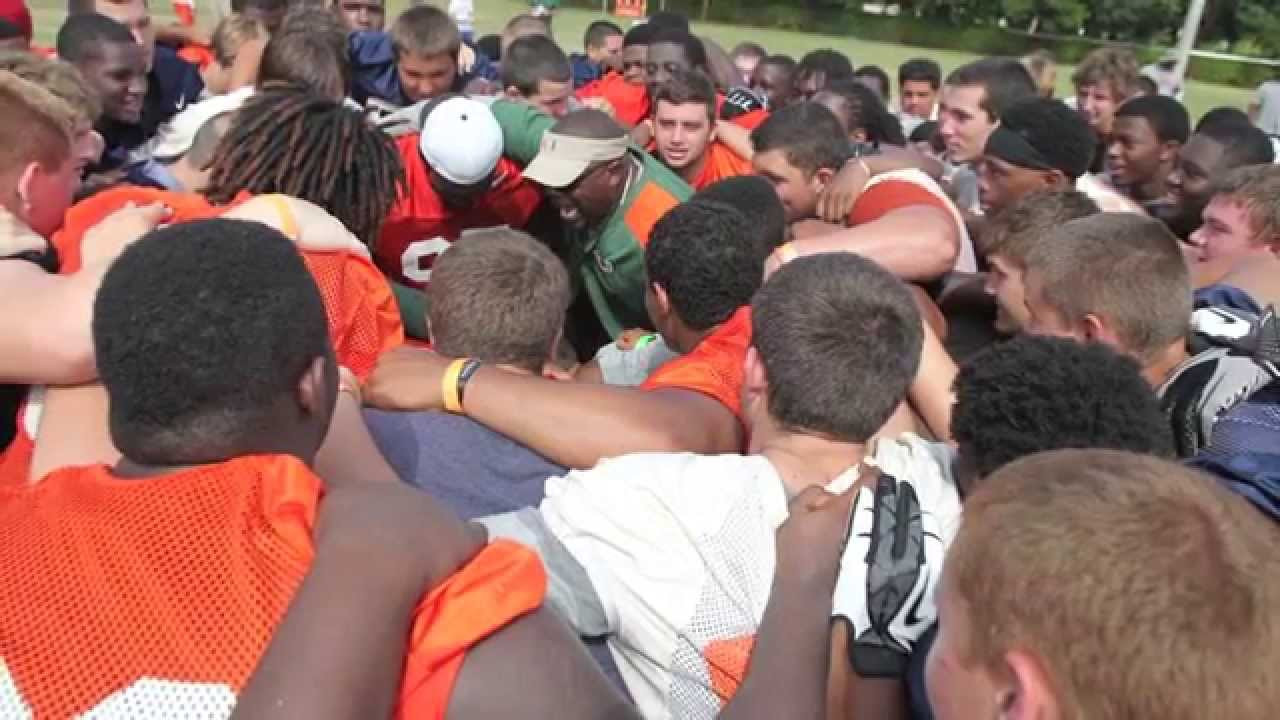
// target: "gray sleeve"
[[569, 589], [632, 367]]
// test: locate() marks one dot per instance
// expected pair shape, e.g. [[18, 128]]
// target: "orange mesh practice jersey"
[[363, 318], [420, 226], [155, 597], [714, 368], [199, 55], [721, 163], [630, 102], [364, 321]]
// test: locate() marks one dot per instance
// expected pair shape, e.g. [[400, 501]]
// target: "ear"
[[715, 125], [822, 178], [1097, 329], [661, 299], [512, 93], [859, 135], [1030, 696], [1054, 178], [314, 391], [1169, 151], [755, 386], [27, 182]]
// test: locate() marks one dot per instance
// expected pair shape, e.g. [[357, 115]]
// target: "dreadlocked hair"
[[289, 140]]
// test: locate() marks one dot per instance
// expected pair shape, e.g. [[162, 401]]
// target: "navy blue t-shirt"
[[172, 84]]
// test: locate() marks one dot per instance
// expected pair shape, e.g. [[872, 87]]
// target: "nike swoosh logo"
[[913, 619]]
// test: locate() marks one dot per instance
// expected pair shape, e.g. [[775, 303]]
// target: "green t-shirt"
[[609, 258]]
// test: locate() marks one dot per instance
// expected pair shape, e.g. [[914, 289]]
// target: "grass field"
[[491, 15]]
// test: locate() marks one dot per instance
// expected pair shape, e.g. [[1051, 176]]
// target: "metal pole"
[[1187, 40]]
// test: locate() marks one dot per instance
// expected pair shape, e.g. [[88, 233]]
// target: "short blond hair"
[[35, 125], [58, 77], [1257, 189], [231, 32], [1143, 588], [1114, 66]]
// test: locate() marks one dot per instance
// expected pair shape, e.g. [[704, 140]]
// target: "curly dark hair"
[[1033, 394], [705, 256], [289, 140], [202, 330], [755, 198]]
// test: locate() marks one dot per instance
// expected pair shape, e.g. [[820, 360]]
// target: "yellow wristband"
[[786, 252], [288, 223], [449, 386]]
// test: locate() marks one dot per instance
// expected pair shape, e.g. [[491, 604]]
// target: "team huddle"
[[360, 367]]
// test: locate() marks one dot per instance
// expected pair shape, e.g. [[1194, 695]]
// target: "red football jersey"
[[420, 226], [157, 596]]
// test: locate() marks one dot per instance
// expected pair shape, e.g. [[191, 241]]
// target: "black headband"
[[1014, 149]]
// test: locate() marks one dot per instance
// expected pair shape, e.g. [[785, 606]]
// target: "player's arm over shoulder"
[[45, 335]]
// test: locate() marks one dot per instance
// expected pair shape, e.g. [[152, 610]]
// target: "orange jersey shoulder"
[[179, 578], [363, 318], [420, 226], [714, 367], [163, 592], [630, 102], [721, 163], [92, 210]]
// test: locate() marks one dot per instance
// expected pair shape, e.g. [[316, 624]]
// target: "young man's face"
[[962, 122], [1043, 318], [1191, 182], [423, 77], [1135, 156], [363, 14], [918, 98], [797, 190], [1001, 183], [773, 84], [1226, 233], [552, 97], [663, 60], [609, 54], [134, 15], [634, 59], [119, 77], [1004, 283], [1097, 103], [681, 133]]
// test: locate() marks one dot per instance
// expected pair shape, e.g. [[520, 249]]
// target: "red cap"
[[16, 13]]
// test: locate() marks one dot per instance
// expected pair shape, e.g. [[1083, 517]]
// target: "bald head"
[[588, 123]]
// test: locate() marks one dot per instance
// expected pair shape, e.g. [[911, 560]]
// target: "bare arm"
[[45, 334], [545, 673], [573, 424], [244, 69], [379, 546], [788, 672], [177, 35], [847, 185], [917, 243], [736, 138]]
